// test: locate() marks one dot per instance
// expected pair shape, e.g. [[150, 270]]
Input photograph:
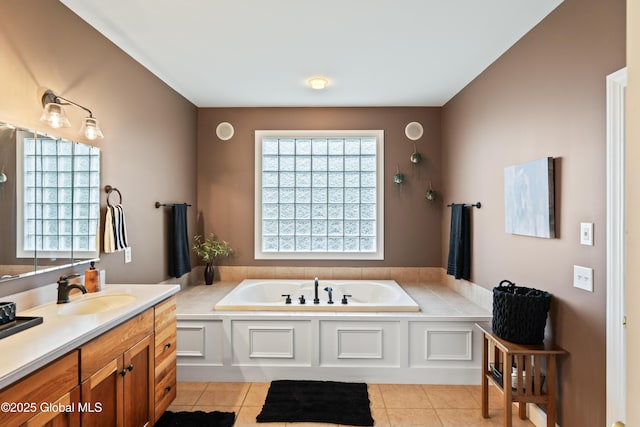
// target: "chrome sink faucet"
[[316, 300], [64, 288]]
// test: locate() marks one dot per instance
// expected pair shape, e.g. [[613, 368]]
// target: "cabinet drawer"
[[165, 347], [165, 390], [47, 384], [165, 313], [100, 351]]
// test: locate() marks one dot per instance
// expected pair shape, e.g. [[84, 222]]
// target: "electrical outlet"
[[127, 255], [586, 233], [583, 278]]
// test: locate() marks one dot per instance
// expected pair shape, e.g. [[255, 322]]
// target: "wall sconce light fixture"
[[55, 116]]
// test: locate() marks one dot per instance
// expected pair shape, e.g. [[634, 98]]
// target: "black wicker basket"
[[519, 313]]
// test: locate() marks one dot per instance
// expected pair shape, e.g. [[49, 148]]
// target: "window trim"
[[378, 254]]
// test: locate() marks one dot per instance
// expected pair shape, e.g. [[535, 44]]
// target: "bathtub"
[[365, 296]]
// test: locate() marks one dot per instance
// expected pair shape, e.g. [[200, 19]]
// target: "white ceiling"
[[243, 53]]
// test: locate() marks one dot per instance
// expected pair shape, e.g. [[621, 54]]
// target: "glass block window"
[[319, 195], [61, 199]]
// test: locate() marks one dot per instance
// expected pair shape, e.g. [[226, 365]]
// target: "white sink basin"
[[96, 304]]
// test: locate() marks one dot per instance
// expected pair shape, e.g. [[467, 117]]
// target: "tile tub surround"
[[438, 345], [399, 274]]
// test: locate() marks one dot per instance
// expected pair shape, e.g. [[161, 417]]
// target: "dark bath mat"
[[317, 401], [196, 419]]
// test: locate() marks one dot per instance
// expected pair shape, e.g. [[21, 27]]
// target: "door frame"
[[616, 260]]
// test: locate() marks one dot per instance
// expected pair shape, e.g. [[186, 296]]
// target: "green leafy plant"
[[209, 249]]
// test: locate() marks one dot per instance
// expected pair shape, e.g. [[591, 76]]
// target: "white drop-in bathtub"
[[366, 295]]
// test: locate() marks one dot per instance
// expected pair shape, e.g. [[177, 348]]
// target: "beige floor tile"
[[257, 394], [448, 396], [246, 417], [413, 417], [495, 395], [180, 408], [404, 396], [188, 393], [464, 418], [392, 405], [207, 408], [473, 418], [309, 425], [380, 418], [375, 396], [191, 385], [223, 394]]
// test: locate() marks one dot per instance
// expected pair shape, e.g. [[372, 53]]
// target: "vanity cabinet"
[[165, 355], [64, 415], [29, 401], [123, 377], [117, 375]]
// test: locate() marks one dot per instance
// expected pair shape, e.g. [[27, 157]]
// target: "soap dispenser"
[[91, 279]]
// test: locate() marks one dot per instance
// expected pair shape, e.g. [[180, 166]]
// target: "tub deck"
[[435, 300], [437, 345]]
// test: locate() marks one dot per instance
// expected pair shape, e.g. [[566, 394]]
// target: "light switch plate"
[[127, 255], [583, 278], [586, 233]]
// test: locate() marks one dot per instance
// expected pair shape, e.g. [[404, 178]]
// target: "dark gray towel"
[[179, 261], [459, 263]]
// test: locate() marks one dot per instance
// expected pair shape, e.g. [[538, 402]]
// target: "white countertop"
[[28, 350]]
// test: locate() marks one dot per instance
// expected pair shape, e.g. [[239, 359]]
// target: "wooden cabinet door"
[[138, 384], [102, 395], [62, 413]]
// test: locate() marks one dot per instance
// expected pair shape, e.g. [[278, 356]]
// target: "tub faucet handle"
[[316, 300], [329, 290], [288, 299], [344, 299], [302, 300]]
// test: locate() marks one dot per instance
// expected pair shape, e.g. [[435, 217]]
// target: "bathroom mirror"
[[49, 202]]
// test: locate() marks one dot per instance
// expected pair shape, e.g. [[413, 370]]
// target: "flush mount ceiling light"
[[55, 116], [318, 82]]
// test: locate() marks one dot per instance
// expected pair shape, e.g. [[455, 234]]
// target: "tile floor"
[[392, 405]]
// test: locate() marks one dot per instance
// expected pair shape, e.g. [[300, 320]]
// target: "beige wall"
[[226, 177], [149, 149], [633, 206], [545, 97]]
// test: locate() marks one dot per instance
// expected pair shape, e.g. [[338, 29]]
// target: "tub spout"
[[329, 290], [316, 300]]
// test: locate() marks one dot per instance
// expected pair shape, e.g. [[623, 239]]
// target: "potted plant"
[[209, 250]]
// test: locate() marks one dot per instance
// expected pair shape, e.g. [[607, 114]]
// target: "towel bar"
[[158, 204], [469, 205]]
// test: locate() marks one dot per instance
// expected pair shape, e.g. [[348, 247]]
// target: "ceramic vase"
[[209, 272]]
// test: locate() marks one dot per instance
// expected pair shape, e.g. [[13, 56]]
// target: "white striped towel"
[[115, 229]]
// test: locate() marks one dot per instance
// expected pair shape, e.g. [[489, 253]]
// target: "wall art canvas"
[[529, 199]]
